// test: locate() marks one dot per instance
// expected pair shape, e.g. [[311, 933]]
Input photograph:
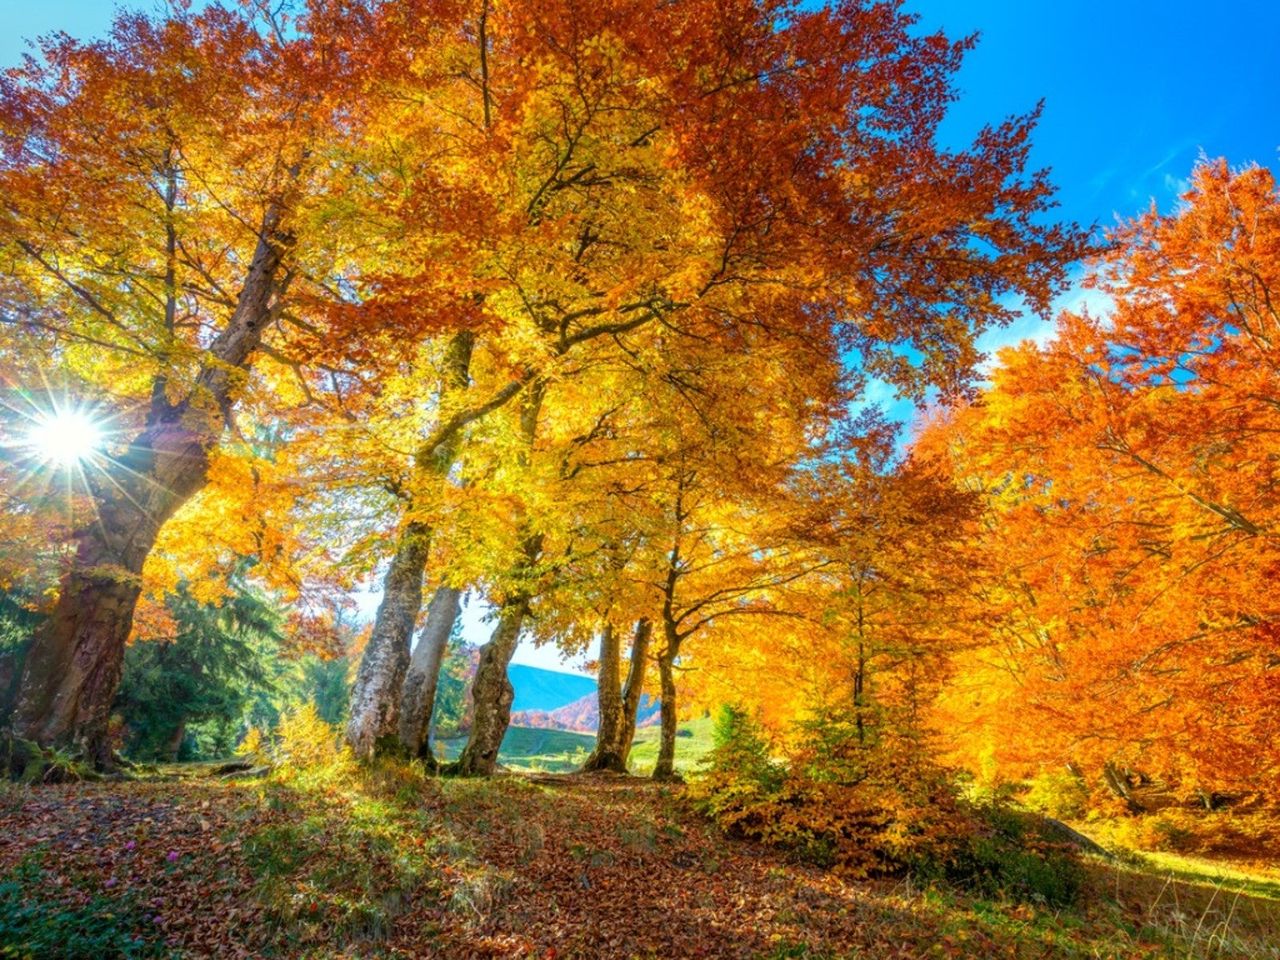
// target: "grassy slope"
[[690, 748], [344, 862], [533, 749], [561, 751]]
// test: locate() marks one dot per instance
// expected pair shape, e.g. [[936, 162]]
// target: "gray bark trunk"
[[607, 754], [666, 766], [492, 693], [619, 705], [418, 695], [633, 690], [377, 692], [375, 696]]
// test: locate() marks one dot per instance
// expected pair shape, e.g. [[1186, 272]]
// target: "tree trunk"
[[72, 671], [418, 695], [613, 750], [633, 689], [174, 745], [666, 766], [73, 668], [1118, 783], [859, 681], [377, 693], [71, 674], [375, 696], [492, 693], [607, 754]]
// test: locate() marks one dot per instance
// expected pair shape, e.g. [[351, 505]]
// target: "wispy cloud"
[[1077, 298]]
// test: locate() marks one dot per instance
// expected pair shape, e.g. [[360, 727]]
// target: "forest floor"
[[352, 862]]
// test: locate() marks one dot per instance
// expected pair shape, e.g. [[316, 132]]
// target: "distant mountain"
[[552, 700], [546, 690], [582, 716]]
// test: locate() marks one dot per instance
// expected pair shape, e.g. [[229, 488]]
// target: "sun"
[[65, 437]]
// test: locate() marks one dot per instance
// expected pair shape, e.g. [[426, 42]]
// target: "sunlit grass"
[[1256, 879], [693, 742], [536, 750]]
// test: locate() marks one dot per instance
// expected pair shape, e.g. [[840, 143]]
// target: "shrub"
[[858, 805], [740, 787], [866, 804], [1007, 854], [252, 747], [1173, 833], [873, 802], [303, 740], [1170, 831]]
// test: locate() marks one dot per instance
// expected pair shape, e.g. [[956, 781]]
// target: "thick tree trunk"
[[607, 754], [375, 696], [613, 739], [666, 766], [73, 668], [492, 693], [174, 745], [418, 694], [72, 671], [633, 689]]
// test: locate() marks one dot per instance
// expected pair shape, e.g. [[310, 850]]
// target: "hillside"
[[583, 715], [539, 693], [343, 862], [539, 689]]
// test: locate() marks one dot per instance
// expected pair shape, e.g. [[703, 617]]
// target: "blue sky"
[[1134, 91]]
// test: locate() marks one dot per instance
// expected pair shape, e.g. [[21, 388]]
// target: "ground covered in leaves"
[[389, 862]]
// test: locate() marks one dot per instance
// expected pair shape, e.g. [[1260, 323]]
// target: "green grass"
[[693, 742], [534, 749], [1214, 874], [345, 853], [562, 751], [36, 923]]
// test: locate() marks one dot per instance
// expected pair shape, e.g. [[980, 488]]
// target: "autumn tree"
[[567, 251], [904, 569], [1129, 469], [165, 221], [214, 208]]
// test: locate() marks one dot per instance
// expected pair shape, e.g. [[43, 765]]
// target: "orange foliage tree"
[[422, 244], [1130, 468]]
